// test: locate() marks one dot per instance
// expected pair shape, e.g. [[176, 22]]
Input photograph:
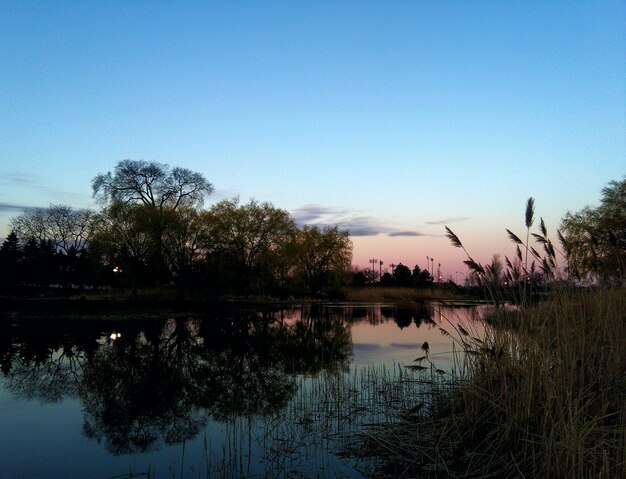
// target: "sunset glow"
[[390, 121]]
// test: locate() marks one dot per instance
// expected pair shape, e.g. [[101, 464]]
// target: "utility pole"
[[380, 269], [439, 273]]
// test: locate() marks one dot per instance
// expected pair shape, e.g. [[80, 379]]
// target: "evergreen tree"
[[10, 258]]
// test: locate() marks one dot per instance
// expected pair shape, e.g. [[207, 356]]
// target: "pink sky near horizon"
[[413, 250]]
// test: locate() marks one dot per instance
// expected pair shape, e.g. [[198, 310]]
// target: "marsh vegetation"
[[544, 393]]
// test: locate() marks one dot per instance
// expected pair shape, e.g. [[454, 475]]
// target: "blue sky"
[[388, 118]]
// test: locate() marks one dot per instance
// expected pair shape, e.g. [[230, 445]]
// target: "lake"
[[232, 393]]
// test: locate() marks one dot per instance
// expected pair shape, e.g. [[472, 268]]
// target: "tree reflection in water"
[[160, 381], [44, 359], [142, 388]]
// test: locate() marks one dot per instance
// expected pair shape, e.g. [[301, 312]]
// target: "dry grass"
[[544, 398], [395, 294], [547, 398]]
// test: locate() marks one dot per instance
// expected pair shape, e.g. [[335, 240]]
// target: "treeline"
[[400, 276], [152, 230]]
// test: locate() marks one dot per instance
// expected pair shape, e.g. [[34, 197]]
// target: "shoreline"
[[149, 301]]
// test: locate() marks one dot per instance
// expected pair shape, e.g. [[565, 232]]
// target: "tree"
[[185, 238], [251, 236], [322, 256], [10, 258], [123, 240], [421, 277], [402, 275], [159, 189], [359, 278], [595, 238], [152, 184], [62, 225], [386, 280], [40, 262]]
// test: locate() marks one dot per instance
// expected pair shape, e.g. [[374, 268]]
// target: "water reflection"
[[159, 381], [143, 384]]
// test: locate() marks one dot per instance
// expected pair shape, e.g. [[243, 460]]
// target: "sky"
[[389, 119]]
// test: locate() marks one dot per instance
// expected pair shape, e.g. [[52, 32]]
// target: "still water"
[[275, 393]]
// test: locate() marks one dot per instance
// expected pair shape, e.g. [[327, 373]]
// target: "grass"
[[544, 390], [544, 396], [547, 398], [400, 295], [354, 294], [302, 440]]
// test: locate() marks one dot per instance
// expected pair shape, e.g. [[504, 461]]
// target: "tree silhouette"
[[10, 259], [40, 263], [594, 239], [185, 238], [322, 255], [160, 190], [402, 275], [124, 240], [387, 280], [252, 236], [62, 225], [153, 184], [421, 277]]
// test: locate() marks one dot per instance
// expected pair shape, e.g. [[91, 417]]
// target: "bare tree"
[[160, 190], [67, 228], [152, 184]]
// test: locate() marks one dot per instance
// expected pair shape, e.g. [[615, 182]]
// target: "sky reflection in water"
[[92, 398]]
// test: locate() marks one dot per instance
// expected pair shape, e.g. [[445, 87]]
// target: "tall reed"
[[547, 397], [544, 390]]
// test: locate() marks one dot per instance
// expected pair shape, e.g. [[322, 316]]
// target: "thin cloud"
[[316, 214], [406, 233], [362, 226], [13, 208], [354, 221], [405, 345], [21, 178], [367, 346], [38, 184], [453, 219], [222, 194]]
